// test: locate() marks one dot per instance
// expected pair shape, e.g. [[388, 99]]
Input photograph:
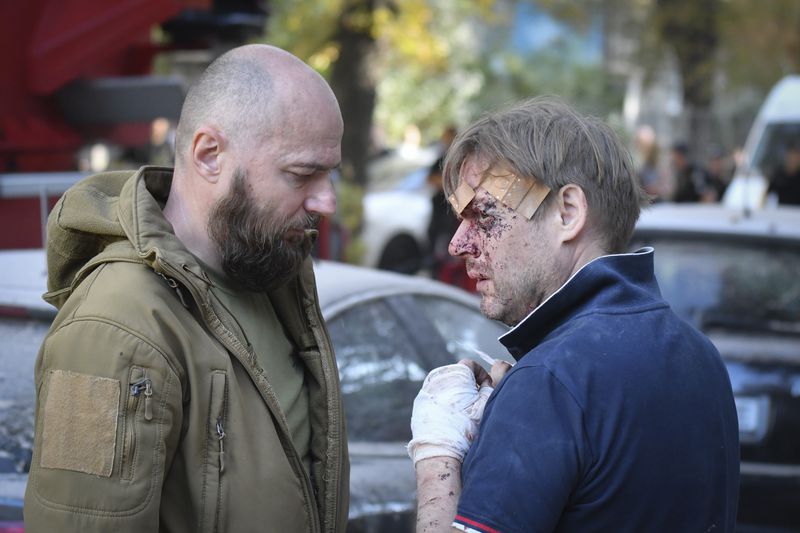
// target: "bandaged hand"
[[447, 413]]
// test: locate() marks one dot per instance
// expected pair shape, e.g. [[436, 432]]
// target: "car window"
[[464, 328], [729, 284], [770, 151], [380, 369], [21, 339], [386, 347]]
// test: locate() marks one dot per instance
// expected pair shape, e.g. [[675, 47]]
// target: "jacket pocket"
[[138, 410], [210, 518]]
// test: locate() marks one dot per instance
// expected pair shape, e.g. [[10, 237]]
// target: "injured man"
[[617, 416]]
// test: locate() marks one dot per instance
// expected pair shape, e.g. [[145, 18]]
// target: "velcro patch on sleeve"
[[80, 423]]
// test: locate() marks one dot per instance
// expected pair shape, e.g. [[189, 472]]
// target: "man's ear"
[[573, 211], [208, 145]]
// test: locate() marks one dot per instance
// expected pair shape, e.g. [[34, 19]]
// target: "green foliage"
[[761, 41], [441, 62], [425, 65], [306, 29], [350, 200], [437, 63], [577, 14], [756, 43], [585, 85], [476, 70], [728, 53]]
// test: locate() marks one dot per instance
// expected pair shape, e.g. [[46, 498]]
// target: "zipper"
[[139, 387], [147, 386], [176, 287], [220, 438], [242, 355], [335, 401], [212, 507]]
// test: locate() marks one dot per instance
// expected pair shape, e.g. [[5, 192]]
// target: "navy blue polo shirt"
[[618, 416]]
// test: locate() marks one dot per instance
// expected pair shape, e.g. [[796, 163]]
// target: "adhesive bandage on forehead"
[[523, 195]]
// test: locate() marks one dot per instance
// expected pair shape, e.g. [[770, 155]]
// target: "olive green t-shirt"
[[276, 355]]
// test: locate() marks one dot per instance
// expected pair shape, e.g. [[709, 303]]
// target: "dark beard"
[[254, 251]]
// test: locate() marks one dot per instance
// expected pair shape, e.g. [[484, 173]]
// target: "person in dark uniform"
[[691, 180], [785, 181]]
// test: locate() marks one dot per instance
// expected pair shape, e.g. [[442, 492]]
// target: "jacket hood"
[[115, 216], [112, 215]]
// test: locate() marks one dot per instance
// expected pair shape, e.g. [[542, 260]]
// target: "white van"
[[777, 123]]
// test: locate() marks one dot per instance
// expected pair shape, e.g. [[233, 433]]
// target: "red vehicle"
[[81, 72]]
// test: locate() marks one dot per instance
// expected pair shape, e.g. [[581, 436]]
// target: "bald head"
[[249, 93]]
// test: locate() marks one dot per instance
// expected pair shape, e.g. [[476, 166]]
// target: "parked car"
[[388, 331], [397, 211], [395, 232], [735, 275], [775, 127]]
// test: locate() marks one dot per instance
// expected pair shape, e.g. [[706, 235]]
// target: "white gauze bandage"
[[447, 413]]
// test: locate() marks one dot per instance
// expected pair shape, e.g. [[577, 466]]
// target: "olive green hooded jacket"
[[152, 412]]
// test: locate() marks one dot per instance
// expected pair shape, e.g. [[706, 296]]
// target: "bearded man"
[[188, 383]]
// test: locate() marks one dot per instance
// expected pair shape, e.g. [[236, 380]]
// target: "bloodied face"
[[514, 260]]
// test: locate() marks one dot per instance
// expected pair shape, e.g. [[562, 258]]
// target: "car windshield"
[[730, 285], [386, 347], [770, 152]]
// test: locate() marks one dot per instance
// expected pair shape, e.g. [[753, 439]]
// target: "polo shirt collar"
[[614, 282]]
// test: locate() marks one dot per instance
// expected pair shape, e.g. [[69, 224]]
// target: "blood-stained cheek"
[[499, 221], [497, 229]]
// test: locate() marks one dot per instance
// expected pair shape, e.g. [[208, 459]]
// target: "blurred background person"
[[718, 175], [441, 228], [161, 149], [689, 179], [647, 159], [443, 223], [446, 139], [785, 181]]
